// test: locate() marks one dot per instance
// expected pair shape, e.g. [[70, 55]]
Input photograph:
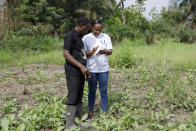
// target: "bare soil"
[[23, 82]]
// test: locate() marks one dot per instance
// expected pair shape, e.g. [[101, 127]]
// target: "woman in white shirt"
[[98, 46]]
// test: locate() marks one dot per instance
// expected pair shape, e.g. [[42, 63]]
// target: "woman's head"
[[97, 26]]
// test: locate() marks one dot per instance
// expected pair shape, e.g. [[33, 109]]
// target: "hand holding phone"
[[95, 49], [103, 51]]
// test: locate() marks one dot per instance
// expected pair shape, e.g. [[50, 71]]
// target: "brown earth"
[[23, 82]]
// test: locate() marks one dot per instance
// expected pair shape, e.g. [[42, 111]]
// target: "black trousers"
[[75, 86]]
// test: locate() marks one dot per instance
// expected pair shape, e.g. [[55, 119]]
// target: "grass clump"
[[122, 56]]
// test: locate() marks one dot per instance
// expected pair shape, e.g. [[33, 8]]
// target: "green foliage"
[[148, 96], [59, 14], [153, 110], [125, 59], [38, 30], [57, 17], [4, 124], [41, 11], [49, 114], [188, 7], [187, 35], [15, 42], [150, 109], [9, 107], [33, 79], [178, 95], [135, 24], [122, 57], [117, 30], [149, 34], [170, 86], [135, 18], [161, 26], [173, 16]]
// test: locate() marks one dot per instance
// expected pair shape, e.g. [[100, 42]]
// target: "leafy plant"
[[10, 106], [187, 35]]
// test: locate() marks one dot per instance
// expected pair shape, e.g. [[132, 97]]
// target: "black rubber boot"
[[70, 117], [79, 110]]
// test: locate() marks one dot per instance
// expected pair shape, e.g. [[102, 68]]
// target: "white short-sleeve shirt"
[[97, 62]]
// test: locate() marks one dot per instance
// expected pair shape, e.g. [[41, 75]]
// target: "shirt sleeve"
[[85, 43], [68, 41], [109, 43]]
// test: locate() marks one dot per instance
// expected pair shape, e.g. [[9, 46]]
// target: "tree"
[[188, 8], [97, 8], [122, 5], [61, 14]]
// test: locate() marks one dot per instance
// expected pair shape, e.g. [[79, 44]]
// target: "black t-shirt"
[[73, 42]]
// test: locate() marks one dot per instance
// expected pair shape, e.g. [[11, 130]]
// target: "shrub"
[[149, 36], [117, 30], [122, 56], [187, 35], [39, 30], [125, 60], [14, 42]]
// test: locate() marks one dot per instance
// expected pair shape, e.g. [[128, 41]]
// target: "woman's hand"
[[90, 53], [103, 51], [106, 52], [95, 49]]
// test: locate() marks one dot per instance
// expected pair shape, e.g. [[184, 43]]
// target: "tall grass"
[[16, 50], [166, 54], [23, 57]]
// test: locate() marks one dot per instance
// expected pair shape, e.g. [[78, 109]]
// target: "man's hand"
[[73, 61], [85, 72], [88, 76]]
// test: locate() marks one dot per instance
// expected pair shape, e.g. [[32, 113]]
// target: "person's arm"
[[73, 61], [89, 53], [67, 47], [108, 50]]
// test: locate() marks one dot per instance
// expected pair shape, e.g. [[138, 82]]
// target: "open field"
[[165, 53], [156, 92], [152, 80]]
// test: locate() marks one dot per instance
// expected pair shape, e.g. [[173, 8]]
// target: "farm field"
[[152, 79], [150, 88]]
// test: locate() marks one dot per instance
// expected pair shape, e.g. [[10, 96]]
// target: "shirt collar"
[[97, 36], [77, 33]]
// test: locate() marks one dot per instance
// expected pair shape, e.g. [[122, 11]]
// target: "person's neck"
[[77, 29], [95, 35]]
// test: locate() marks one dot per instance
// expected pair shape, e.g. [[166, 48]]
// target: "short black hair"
[[82, 21], [97, 21]]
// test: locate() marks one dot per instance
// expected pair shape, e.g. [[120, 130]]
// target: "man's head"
[[97, 27], [83, 25]]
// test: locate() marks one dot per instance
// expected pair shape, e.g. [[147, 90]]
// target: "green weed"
[[10, 106]]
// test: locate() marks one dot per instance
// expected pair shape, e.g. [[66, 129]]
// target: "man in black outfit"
[[75, 70]]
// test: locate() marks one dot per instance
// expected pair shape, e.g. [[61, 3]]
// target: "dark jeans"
[[75, 86]]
